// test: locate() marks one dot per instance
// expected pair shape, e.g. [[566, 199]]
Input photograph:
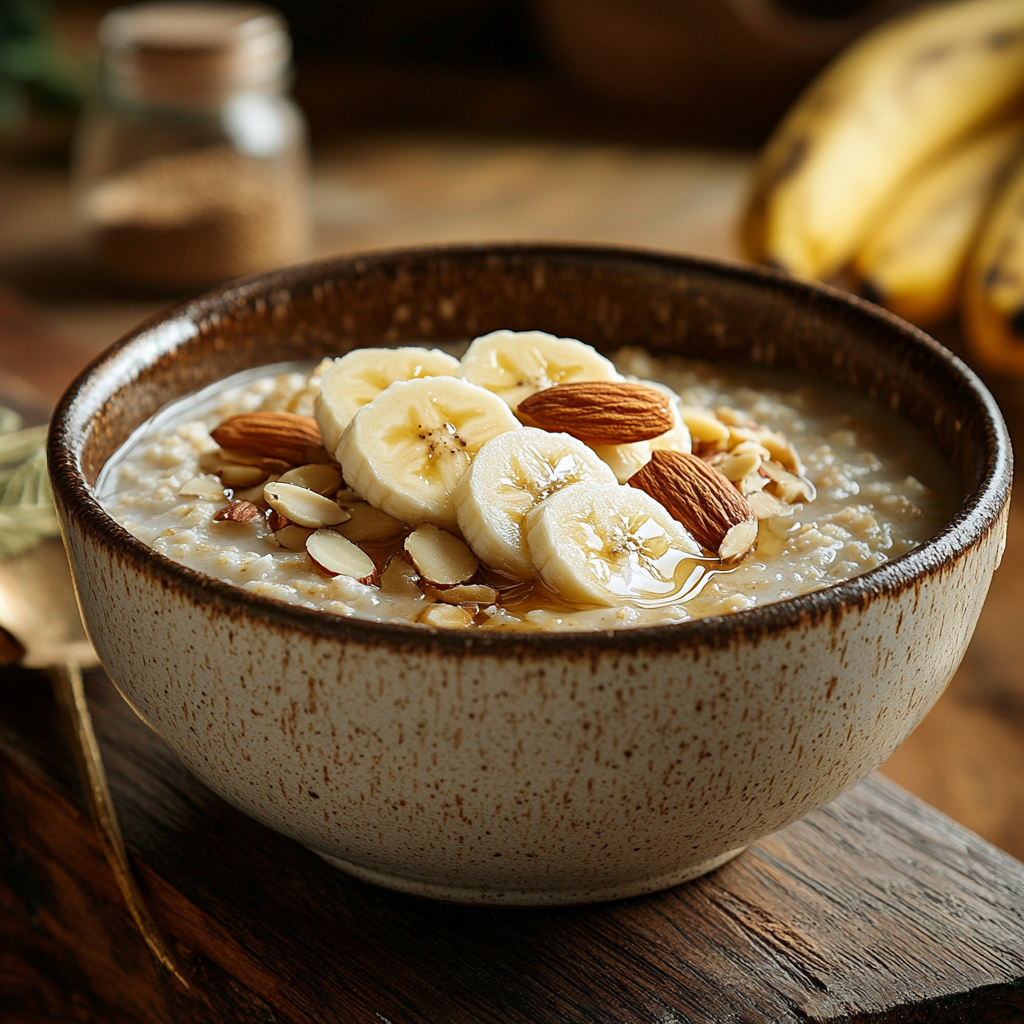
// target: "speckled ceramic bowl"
[[531, 768]]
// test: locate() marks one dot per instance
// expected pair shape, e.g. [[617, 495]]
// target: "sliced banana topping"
[[406, 451], [356, 379], [516, 364], [510, 476], [609, 545]]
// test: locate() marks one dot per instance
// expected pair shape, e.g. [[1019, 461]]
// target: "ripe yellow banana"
[[993, 298], [891, 102], [914, 263]]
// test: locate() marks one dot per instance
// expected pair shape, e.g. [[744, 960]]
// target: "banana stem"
[[70, 691]]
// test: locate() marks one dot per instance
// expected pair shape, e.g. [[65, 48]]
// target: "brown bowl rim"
[[967, 529]]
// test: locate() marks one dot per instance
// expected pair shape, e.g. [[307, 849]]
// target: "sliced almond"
[[702, 499], [278, 522], [277, 435], [293, 538], [303, 506], [788, 486], [736, 465], [439, 557], [446, 616], [216, 459], [202, 486], [738, 541], [340, 557], [467, 594], [703, 425], [765, 505], [239, 512], [400, 578], [367, 523], [782, 451], [242, 476], [317, 476], [600, 412], [752, 483]]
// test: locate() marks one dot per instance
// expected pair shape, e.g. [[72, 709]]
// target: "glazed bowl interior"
[[610, 298]]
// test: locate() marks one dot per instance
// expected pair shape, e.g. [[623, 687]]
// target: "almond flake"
[[277, 435], [239, 512], [704, 426], [439, 557], [400, 578], [446, 616], [736, 465], [242, 476], [337, 556], [303, 506], [367, 523], [277, 522], [702, 499], [466, 594], [789, 487], [317, 476], [202, 486], [293, 538], [765, 505], [600, 412]]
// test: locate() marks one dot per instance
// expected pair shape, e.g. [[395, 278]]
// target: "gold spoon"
[[41, 628]]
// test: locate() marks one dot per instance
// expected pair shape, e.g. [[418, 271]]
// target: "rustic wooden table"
[[872, 906], [875, 908]]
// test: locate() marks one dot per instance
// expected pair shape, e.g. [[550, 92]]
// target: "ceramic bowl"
[[531, 768]]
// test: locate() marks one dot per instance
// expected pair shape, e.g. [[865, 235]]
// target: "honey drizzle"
[[520, 597]]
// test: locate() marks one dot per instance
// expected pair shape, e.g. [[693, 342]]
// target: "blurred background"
[[420, 121]]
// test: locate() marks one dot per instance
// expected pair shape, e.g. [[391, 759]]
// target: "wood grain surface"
[[875, 908]]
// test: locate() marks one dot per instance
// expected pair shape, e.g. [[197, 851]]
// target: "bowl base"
[[529, 897]]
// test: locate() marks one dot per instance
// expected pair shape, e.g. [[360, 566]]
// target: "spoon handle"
[[70, 691]]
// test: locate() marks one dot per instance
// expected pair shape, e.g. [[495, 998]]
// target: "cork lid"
[[193, 53]]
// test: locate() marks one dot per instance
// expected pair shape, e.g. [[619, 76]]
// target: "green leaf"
[[26, 502]]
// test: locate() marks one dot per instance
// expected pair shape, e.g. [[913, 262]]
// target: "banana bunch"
[[902, 168]]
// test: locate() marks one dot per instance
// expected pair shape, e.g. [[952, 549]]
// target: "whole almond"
[[238, 512], [600, 412], [274, 435], [702, 499]]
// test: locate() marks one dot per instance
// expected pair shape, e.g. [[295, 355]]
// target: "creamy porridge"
[[492, 494]]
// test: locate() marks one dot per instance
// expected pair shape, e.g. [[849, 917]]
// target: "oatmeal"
[[532, 485]]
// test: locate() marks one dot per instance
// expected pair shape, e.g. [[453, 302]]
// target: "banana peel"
[[914, 262], [992, 303], [885, 108]]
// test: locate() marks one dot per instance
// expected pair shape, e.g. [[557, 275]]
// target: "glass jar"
[[190, 166]]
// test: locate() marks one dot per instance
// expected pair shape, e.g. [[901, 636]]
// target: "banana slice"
[[356, 379], [609, 545], [406, 450], [516, 364], [511, 475]]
